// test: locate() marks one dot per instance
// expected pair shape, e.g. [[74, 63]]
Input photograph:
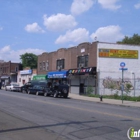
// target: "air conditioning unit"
[[81, 65], [59, 67]]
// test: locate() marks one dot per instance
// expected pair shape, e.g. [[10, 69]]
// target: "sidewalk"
[[105, 101]]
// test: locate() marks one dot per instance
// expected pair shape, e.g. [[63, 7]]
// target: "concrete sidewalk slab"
[[106, 101]]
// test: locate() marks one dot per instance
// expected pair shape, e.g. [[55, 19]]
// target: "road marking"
[[87, 110]]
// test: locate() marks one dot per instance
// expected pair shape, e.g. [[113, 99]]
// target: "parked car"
[[37, 89], [12, 87], [32, 83], [61, 90]]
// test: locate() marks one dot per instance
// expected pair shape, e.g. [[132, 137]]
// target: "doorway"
[[81, 88]]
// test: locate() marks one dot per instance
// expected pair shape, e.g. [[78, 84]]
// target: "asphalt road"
[[26, 117]]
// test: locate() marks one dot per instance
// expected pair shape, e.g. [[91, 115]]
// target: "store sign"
[[4, 77], [57, 74], [89, 70], [40, 77], [26, 72], [116, 53]]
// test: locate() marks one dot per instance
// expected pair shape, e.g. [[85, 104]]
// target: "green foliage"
[[89, 90], [29, 60], [135, 40], [128, 87]]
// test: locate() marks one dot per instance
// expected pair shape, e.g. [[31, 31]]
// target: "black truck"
[[57, 90]]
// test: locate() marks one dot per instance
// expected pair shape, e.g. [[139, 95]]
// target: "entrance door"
[[81, 88]]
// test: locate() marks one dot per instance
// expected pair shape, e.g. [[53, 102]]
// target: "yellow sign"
[[115, 53]]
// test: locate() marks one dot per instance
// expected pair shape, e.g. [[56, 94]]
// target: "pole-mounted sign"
[[122, 65]]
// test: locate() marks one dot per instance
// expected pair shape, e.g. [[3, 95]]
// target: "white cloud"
[[80, 6], [108, 34], [34, 28], [109, 4], [137, 6], [7, 54], [5, 49], [59, 22], [77, 35]]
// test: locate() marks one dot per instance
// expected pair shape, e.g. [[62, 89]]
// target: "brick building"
[[68, 60], [96, 64], [9, 71]]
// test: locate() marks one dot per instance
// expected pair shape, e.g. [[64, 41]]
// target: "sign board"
[[26, 72], [122, 64], [123, 68], [118, 53]]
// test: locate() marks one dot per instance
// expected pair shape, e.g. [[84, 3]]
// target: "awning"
[[57, 74], [89, 70], [40, 77]]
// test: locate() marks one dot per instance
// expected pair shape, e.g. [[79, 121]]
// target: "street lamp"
[[134, 83]]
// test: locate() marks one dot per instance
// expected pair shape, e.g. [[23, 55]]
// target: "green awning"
[[40, 77]]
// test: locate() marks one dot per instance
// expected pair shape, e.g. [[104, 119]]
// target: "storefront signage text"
[[79, 71], [116, 53], [26, 72]]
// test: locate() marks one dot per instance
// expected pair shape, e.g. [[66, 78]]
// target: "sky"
[[37, 26]]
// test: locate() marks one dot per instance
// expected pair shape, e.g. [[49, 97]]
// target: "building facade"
[[26, 75], [9, 72], [83, 57], [98, 65]]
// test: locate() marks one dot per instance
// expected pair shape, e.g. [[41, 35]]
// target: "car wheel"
[[37, 93], [28, 92], [6, 89], [46, 94], [23, 91], [55, 94]]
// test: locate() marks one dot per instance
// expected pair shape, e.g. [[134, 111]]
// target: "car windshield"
[[15, 84]]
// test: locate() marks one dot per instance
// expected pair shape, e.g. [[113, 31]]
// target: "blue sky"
[[37, 26]]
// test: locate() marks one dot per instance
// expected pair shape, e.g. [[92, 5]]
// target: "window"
[[47, 66], [44, 67], [60, 64], [82, 61], [40, 66], [16, 69]]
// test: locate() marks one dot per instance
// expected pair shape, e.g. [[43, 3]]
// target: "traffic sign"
[[123, 68], [122, 64]]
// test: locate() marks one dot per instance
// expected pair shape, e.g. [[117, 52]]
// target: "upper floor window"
[[44, 66], [82, 61], [16, 69], [47, 66], [60, 64], [40, 66]]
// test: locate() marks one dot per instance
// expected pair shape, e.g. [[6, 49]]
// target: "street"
[[24, 116]]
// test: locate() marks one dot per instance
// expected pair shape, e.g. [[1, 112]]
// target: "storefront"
[[81, 78], [25, 76], [5, 80], [60, 76]]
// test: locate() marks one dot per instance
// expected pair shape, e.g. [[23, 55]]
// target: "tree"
[[135, 40], [29, 60]]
